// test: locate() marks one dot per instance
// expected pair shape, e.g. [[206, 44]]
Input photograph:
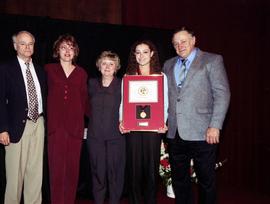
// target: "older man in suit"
[[22, 92], [198, 101]]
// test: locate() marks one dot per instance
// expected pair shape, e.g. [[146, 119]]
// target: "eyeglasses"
[[24, 44], [65, 48]]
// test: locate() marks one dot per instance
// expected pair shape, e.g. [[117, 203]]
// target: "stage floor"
[[228, 196]]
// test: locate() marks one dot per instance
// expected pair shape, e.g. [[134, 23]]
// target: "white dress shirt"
[[37, 85]]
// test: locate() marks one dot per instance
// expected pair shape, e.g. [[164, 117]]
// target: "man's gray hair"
[[14, 36]]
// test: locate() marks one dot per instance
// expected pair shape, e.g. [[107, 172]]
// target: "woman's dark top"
[[104, 109]]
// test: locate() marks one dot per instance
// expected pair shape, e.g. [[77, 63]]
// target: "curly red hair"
[[70, 40]]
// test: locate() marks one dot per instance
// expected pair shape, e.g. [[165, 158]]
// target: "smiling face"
[[66, 52], [183, 43], [24, 45], [107, 67], [143, 55]]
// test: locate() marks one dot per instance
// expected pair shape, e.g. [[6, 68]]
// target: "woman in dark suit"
[[105, 143], [67, 103]]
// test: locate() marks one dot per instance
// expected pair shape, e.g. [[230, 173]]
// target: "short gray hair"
[[14, 36]]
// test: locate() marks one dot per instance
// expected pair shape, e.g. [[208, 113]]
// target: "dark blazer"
[[104, 110], [203, 100], [13, 98]]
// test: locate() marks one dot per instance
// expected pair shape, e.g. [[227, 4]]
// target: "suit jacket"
[[202, 101], [104, 110], [67, 101], [13, 98]]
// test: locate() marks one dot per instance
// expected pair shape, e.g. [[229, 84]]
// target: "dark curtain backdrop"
[[99, 11], [240, 31], [92, 38], [237, 29]]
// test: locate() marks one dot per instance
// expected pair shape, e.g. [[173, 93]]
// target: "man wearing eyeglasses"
[[22, 97]]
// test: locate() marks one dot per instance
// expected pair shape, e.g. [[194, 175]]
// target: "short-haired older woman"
[[67, 104], [105, 143]]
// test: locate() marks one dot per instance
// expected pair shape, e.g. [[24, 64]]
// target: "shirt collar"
[[191, 56], [22, 62]]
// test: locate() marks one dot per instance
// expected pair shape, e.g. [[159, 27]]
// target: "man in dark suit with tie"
[[22, 97], [199, 97]]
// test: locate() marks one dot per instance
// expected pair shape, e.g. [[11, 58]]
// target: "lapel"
[[171, 75], [194, 67], [39, 74], [111, 88], [16, 76]]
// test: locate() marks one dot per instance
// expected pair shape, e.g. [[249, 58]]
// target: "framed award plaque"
[[143, 102]]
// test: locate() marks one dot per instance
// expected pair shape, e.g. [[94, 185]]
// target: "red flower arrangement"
[[165, 168]]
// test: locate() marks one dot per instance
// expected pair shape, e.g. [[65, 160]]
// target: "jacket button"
[[23, 121]]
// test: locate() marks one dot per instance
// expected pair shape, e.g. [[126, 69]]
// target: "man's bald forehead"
[[24, 32]]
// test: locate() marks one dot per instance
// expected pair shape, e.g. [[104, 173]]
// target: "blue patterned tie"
[[182, 74]]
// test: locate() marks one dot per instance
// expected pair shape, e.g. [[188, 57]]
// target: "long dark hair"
[[133, 66]]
